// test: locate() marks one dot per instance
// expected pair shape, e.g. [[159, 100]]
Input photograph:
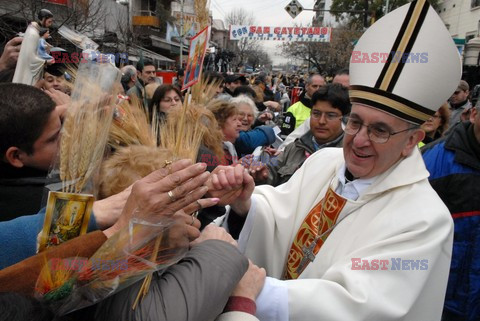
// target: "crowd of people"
[[349, 199]]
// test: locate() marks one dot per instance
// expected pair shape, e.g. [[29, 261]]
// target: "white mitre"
[[420, 70]]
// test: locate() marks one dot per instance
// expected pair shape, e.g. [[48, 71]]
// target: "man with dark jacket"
[[146, 74], [454, 166], [329, 104]]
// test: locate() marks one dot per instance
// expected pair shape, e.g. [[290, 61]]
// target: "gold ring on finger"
[[171, 196]]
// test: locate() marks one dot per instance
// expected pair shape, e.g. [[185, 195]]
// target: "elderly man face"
[[366, 158], [316, 82]]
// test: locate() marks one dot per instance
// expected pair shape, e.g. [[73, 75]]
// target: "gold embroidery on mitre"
[[318, 221]]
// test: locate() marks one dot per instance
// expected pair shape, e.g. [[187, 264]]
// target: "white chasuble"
[[398, 219]]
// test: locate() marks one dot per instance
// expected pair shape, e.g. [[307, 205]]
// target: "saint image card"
[[66, 217]]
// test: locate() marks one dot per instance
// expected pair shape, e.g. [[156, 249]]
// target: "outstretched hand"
[[164, 192]]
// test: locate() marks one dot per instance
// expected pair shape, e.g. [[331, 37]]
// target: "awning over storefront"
[[135, 52]]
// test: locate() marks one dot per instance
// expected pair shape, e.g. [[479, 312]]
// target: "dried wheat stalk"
[[85, 130]]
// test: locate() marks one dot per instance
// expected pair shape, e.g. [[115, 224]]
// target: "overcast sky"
[[266, 13]]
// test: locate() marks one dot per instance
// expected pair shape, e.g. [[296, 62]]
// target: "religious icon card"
[[66, 217]]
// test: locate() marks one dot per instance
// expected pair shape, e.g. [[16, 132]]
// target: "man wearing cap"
[[231, 83], [459, 104], [359, 233]]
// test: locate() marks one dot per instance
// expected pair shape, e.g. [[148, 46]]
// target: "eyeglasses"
[[377, 133], [329, 116]]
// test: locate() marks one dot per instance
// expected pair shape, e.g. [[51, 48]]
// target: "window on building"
[[475, 3]]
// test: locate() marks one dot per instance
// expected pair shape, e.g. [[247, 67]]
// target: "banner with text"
[[305, 34]]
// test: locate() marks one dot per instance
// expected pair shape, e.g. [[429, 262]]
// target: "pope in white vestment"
[[359, 233], [397, 216]]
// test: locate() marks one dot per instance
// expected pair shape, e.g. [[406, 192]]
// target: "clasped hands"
[[176, 191]]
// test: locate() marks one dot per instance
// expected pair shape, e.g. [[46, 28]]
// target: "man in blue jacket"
[[454, 166]]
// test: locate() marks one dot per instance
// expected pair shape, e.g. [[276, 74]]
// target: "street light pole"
[[181, 33]]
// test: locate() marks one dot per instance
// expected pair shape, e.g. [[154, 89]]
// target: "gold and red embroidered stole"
[[320, 219]]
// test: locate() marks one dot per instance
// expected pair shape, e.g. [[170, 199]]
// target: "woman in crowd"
[[227, 116], [164, 99], [436, 125], [249, 138]]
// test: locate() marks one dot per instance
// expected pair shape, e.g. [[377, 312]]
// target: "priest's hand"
[[252, 282], [232, 185]]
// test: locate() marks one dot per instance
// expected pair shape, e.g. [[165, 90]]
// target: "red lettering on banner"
[[284, 31], [296, 31], [290, 30], [316, 30], [252, 29], [304, 31], [324, 31], [310, 31], [266, 29], [277, 30]]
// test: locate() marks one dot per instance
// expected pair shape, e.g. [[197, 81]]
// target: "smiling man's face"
[[366, 159]]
